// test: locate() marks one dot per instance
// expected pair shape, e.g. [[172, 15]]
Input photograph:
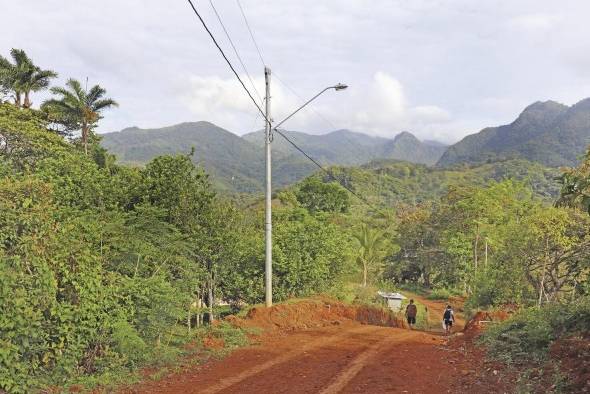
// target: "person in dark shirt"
[[448, 319], [411, 312]]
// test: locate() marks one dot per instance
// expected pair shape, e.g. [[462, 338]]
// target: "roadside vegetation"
[[105, 268]]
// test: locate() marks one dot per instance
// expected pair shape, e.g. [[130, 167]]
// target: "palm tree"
[[370, 248], [79, 107], [5, 77], [23, 77]]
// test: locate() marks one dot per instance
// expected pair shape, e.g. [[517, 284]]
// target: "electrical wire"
[[330, 123], [340, 182], [251, 34], [227, 60], [235, 49], [264, 115]]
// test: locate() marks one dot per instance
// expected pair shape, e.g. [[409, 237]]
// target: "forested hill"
[[237, 163], [222, 153], [547, 132], [389, 182], [346, 147]]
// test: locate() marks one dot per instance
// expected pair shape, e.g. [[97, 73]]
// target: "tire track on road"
[[233, 380], [356, 365]]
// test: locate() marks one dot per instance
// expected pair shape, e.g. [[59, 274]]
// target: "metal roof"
[[395, 296]]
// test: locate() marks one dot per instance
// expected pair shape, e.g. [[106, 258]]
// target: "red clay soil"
[[318, 346], [573, 356], [317, 312], [482, 318], [321, 348], [347, 358]]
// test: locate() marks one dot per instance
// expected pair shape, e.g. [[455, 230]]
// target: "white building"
[[393, 300]]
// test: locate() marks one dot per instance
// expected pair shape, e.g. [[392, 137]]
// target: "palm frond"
[[94, 94], [105, 103], [20, 58], [64, 93], [40, 79], [76, 87], [5, 64], [46, 74]]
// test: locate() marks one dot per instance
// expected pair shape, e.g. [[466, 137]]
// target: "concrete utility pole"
[[268, 196], [268, 128]]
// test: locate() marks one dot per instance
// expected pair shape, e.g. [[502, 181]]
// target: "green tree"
[[22, 76], [24, 140], [370, 251], [551, 245], [317, 196], [575, 186], [309, 254], [79, 108], [419, 258]]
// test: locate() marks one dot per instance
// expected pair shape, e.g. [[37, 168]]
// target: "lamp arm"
[[301, 107]]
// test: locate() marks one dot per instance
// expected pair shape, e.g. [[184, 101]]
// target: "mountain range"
[[237, 163], [546, 132], [345, 147]]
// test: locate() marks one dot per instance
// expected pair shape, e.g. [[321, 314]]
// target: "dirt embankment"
[[481, 319], [319, 312]]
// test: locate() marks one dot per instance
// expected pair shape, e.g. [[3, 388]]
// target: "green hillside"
[[338, 147], [236, 163], [405, 146], [219, 151], [547, 132], [346, 147], [387, 182]]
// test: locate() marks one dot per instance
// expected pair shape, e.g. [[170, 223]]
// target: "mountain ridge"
[[237, 163], [547, 132]]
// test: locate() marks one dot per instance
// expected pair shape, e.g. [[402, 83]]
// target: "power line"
[[251, 34], [226, 59], [234, 48], [303, 100], [253, 128], [340, 182], [264, 115]]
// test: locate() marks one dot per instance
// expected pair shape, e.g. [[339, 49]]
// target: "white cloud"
[[225, 103], [440, 60], [538, 22], [383, 109]]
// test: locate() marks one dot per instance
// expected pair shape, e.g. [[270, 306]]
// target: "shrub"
[[439, 294], [128, 343], [413, 288], [528, 335]]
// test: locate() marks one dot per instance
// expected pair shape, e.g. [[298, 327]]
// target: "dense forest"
[[105, 267]]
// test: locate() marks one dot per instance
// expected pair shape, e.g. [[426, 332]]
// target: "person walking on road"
[[448, 319], [411, 312]]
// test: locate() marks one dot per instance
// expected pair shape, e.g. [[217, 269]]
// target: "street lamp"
[[336, 87], [268, 192]]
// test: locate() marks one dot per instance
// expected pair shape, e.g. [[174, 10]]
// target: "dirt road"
[[343, 358], [348, 358]]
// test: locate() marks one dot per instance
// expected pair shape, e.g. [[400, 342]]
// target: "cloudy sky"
[[438, 68]]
